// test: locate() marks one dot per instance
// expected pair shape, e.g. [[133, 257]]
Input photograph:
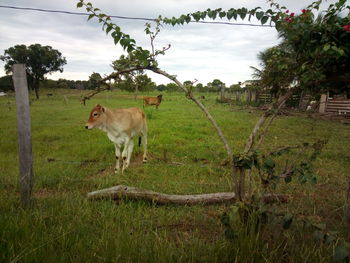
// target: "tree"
[[6, 83], [94, 79], [161, 87], [201, 88], [216, 85], [39, 60], [314, 53], [132, 80], [172, 87], [278, 69], [144, 83], [321, 45]]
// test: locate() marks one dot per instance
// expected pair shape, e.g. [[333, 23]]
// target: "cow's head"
[[97, 117]]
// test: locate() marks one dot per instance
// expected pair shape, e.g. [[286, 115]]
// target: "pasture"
[[185, 157]]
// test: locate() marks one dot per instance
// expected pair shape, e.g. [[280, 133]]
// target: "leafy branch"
[[231, 14]]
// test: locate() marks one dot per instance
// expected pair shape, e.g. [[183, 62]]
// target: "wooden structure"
[[336, 105]]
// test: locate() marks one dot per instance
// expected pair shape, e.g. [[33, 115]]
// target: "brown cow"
[[121, 126], [152, 101]]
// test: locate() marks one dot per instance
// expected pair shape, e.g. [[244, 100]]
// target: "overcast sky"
[[198, 51]]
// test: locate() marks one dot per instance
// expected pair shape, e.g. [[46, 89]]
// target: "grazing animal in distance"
[[152, 101], [121, 126]]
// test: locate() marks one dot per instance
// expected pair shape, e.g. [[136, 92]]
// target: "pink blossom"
[[346, 28]]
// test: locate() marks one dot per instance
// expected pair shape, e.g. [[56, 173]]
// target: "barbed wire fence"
[[80, 162]]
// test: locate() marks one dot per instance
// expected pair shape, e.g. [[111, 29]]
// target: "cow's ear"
[[103, 109]]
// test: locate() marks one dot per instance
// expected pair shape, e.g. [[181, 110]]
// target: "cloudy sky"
[[198, 51]]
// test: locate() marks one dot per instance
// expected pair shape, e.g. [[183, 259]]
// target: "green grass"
[[185, 157]]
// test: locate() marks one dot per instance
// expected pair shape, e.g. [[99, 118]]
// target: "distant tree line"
[[43, 60], [143, 83]]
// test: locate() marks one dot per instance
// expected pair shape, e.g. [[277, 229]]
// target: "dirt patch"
[[136, 160]]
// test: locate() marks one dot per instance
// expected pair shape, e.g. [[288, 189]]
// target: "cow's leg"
[[129, 153], [125, 154], [117, 157], [144, 142]]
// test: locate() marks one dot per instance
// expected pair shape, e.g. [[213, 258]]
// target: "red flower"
[[292, 14], [346, 28], [303, 11], [287, 11]]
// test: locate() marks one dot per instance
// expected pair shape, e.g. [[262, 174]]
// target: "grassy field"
[[185, 157]]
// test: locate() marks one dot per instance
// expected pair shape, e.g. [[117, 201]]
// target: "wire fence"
[[98, 164]]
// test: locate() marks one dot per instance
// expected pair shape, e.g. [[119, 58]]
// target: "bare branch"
[[114, 75], [123, 191], [277, 106]]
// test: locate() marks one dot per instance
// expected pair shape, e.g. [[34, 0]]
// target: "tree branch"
[[114, 75], [122, 191], [277, 106]]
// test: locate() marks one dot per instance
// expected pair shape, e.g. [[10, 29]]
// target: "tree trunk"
[[123, 191]]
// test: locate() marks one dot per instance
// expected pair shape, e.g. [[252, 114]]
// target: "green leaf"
[[269, 163], [287, 221], [264, 19], [225, 219], [341, 253], [79, 4], [287, 179], [91, 16], [130, 48], [229, 15], [109, 28], [242, 12], [259, 15], [116, 36], [196, 16], [326, 47], [222, 14]]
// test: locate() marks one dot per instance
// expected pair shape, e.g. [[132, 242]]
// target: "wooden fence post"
[[24, 132], [222, 93], [323, 102]]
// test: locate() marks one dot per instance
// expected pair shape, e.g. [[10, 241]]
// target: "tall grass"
[[185, 157]]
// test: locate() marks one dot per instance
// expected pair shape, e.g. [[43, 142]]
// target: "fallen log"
[[123, 191]]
